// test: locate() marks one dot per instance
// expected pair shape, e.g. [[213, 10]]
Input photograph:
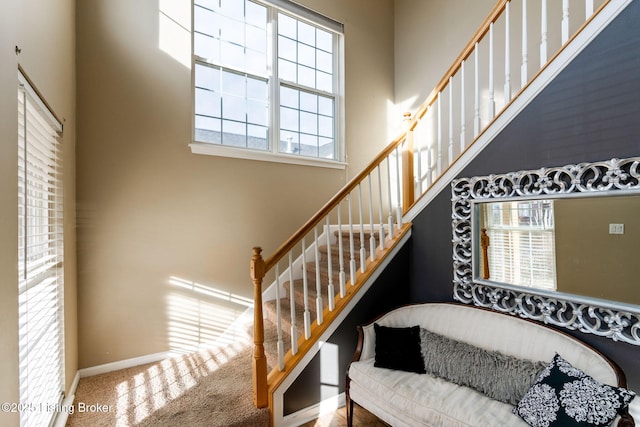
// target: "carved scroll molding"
[[617, 323]]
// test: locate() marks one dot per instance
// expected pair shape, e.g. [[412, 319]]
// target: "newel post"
[[484, 244], [407, 167], [259, 367]]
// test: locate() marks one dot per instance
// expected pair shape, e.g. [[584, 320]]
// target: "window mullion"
[[209, 119], [274, 83]]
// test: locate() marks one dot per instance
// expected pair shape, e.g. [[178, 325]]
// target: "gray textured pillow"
[[496, 375]]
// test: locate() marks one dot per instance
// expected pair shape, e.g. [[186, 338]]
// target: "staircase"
[[312, 271], [320, 272]]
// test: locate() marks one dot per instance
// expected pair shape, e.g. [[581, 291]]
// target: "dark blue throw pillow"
[[565, 396], [398, 348]]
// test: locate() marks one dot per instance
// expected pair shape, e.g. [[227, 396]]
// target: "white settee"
[[403, 398]]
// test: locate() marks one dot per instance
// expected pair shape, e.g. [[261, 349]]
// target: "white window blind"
[[522, 243], [40, 259]]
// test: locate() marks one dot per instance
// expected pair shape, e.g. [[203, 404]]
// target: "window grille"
[[267, 79]]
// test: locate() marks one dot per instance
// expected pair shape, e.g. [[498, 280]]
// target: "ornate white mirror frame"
[[615, 320]]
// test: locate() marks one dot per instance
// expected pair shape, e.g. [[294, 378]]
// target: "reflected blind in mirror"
[[521, 242]]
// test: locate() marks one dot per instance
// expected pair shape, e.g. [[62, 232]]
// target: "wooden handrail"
[[495, 13]]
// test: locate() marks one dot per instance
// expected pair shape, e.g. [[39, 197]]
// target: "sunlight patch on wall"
[[206, 329], [174, 29], [329, 377], [200, 316]]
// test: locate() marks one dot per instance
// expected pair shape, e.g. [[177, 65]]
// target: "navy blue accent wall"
[[590, 112]]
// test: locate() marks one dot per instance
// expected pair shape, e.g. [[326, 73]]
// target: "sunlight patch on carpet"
[[165, 381], [206, 329]]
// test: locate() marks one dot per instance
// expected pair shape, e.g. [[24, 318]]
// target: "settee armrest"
[[626, 420], [359, 345]]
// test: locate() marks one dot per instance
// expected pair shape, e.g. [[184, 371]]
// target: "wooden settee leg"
[[349, 404]]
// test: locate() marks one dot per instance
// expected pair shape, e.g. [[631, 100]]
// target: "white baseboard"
[[67, 402], [315, 411], [123, 364]]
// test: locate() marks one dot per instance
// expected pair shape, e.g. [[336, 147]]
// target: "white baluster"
[[543, 34], [565, 21], [372, 230], [430, 155], [292, 303], [439, 125], [450, 120], [305, 291], [417, 140], [352, 253], [343, 278], [492, 103], [463, 102], [319, 304], [476, 118], [330, 288], [381, 237], [280, 344], [507, 56], [389, 196], [363, 251], [524, 71], [398, 181], [588, 9]]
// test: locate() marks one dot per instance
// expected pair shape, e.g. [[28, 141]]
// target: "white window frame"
[[40, 258], [273, 154]]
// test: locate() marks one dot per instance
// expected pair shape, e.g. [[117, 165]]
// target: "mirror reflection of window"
[[521, 242]]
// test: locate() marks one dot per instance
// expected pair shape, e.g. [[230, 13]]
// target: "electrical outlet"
[[616, 228]]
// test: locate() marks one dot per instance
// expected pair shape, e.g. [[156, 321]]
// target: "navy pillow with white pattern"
[[565, 396]]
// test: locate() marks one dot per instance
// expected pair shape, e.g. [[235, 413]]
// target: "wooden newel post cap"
[[257, 264]]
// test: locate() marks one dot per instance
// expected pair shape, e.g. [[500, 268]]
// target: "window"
[[40, 259], [266, 82], [522, 242]]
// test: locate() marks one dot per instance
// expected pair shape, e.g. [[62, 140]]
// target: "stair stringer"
[[312, 412], [544, 77]]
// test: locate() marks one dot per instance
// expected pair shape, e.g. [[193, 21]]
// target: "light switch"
[[616, 228]]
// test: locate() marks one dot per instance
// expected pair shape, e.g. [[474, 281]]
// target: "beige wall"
[[8, 222], [150, 211], [45, 32], [429, 36], [589, 260]]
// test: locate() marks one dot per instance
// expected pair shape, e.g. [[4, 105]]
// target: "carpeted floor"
[[207, 388]]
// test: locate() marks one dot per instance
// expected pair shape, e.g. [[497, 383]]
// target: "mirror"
[[578, 245], [555, 244]]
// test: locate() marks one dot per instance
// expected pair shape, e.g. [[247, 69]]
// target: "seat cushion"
[[406, 398]]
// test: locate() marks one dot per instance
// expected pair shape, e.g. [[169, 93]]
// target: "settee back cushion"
[[494, 331]]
